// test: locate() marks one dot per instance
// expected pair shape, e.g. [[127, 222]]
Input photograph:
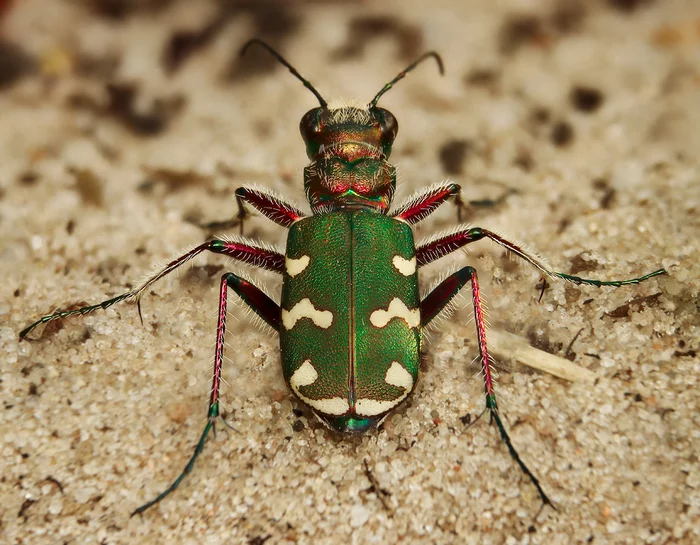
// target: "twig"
[[509, 347]]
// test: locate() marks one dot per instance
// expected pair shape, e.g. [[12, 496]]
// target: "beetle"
[[351, 320]]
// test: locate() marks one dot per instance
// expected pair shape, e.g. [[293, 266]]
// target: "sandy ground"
[[588, 109]]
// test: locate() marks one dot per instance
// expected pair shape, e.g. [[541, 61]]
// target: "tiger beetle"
[[351, 349]]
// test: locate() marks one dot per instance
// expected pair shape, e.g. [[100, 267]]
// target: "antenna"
[[281, 59], [405, 71]]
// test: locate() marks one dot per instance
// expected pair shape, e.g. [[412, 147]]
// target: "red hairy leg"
[[264, 307], [244, 251]]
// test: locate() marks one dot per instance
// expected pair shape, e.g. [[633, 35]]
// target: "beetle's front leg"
[[420, 205], [264, 307], [431, 306], [434, 249], [239, 249], [481, 203], [270, 206]]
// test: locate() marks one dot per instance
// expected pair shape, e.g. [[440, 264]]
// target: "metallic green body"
[[351, 274]]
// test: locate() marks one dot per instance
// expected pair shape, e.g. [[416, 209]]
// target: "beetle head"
[[324, 128], [349, 147]]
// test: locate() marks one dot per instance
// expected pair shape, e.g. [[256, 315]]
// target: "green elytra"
[[359, 267], [350, 320]]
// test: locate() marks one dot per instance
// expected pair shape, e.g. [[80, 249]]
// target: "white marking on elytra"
[[306, 309], [397, 375], [296, 266], [304, 376], [335, 406], [397, 309], [372, 407], [407, 267], [307, 375]]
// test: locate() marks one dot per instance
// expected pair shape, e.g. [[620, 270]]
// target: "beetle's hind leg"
[[264, 307], [431, 306]]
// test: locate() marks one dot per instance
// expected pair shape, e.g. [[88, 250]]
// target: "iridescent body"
[[350, 319], [351, 276]]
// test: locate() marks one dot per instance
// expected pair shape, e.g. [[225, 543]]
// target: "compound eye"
[[310, 124], [387, 125]]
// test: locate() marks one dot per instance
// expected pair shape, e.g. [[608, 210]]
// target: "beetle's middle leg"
[[238, 249], [431, 307], [264, 307], [434, 249]]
